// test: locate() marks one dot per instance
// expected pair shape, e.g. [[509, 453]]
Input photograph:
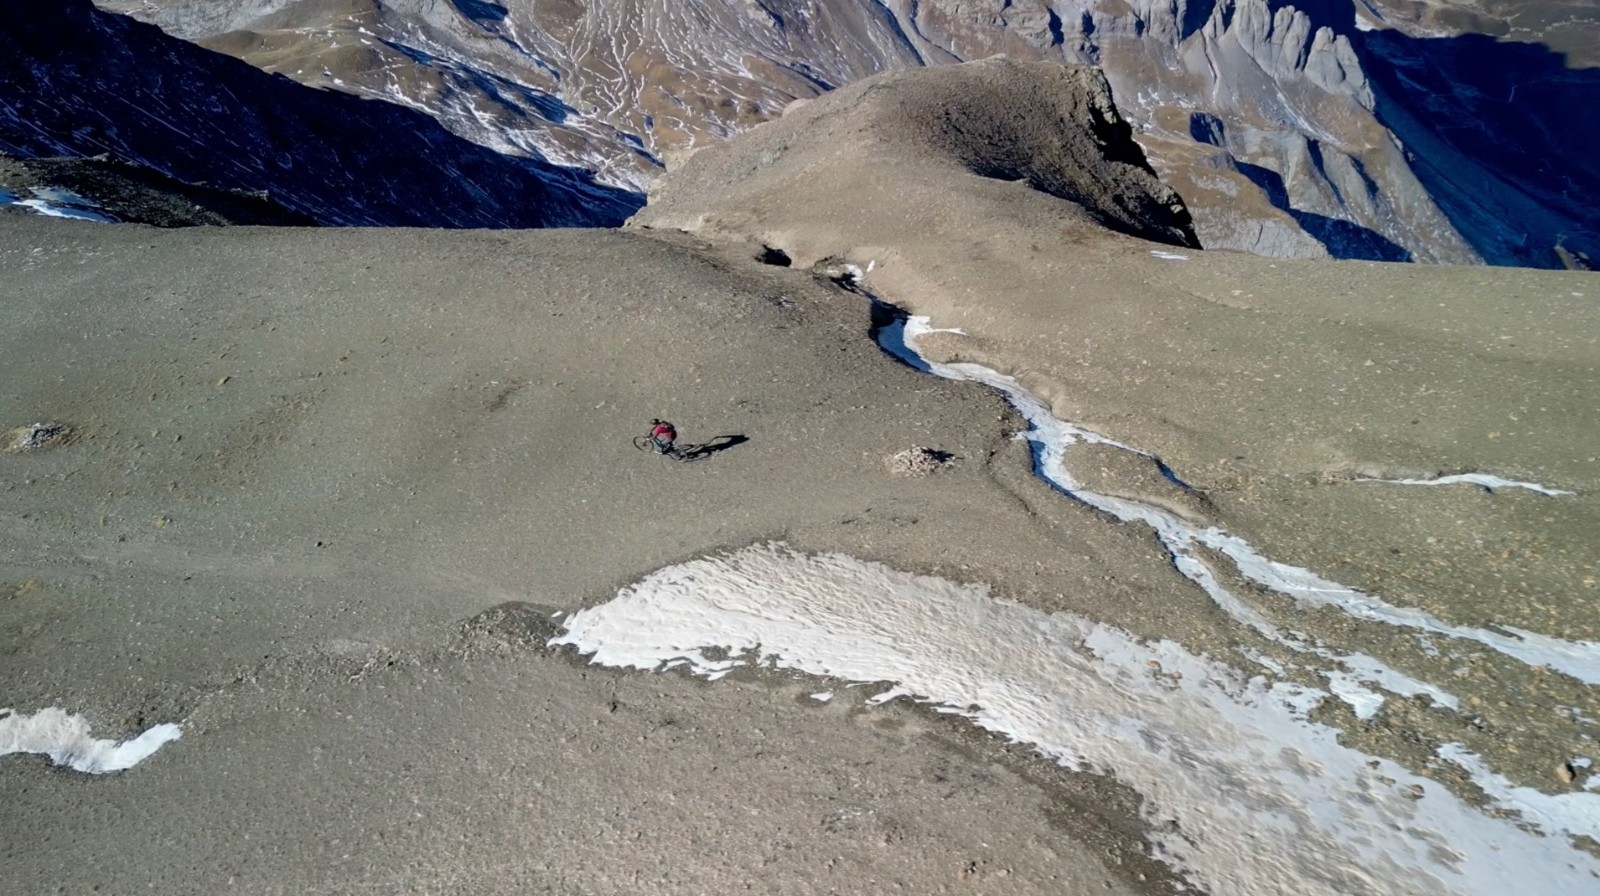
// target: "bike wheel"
[[644, 443]]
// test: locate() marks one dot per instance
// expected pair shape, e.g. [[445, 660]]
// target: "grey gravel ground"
[[301, 459]]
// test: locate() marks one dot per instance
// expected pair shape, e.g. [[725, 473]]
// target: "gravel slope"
[[300, 459]]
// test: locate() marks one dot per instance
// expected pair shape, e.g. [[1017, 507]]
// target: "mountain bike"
[[683, 454], [647, 443]]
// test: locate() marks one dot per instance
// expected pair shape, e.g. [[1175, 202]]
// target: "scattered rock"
[[1565, 773], [37, 435], [919, 461]]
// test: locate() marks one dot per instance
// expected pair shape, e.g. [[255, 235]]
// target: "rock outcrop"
[[133, 194]]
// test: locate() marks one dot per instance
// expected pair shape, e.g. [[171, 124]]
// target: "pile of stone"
[[37, 435], [919, 461]]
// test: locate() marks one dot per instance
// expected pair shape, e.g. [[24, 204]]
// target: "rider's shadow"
[[706, 449]]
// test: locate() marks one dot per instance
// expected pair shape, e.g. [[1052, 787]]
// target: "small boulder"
[[919, 461], [36, 436]]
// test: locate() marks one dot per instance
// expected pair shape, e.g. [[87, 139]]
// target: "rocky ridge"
[[1289, 129], [133, 194], [1071, 158]]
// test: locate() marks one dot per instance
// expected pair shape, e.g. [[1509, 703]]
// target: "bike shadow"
[[706, 449]]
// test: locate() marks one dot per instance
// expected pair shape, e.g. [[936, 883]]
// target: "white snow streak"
[[1050, 437], [55, 202], [1487, 482], [64, 737]]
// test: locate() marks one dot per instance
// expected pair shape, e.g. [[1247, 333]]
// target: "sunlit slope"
[[1274, 392], [298, 459]]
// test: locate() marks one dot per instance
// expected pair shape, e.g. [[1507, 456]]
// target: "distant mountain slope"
[[1503, 135], [81, 82], [1321, 127], [1570, 28]]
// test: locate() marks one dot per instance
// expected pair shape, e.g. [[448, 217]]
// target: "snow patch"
[[1571, 814], [1242, 792], [55, 202], [64, 737]]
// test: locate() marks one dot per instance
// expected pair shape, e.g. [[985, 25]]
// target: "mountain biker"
[[664, 435]]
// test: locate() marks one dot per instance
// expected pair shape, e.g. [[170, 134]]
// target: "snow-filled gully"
[[1244, 793]]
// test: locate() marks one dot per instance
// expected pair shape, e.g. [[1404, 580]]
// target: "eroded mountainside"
[[79, 82], [1382, 131]]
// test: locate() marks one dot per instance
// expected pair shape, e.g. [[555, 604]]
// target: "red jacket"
[[664, 431]]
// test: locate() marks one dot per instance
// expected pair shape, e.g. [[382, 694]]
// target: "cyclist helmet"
[[654, 422]]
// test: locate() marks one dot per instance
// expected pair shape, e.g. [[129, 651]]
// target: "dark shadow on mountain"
[[1194, 16], [1057, 35], [804, 70], [80, 82], [495, 87], [1349, 240], [1503, 135], [1342, 239], [1270, 182], [481, 11], [1207, 128], [549, 107]]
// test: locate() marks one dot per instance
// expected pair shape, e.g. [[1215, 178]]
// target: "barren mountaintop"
[[1006, 131]]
